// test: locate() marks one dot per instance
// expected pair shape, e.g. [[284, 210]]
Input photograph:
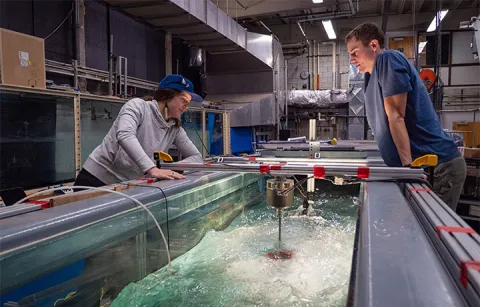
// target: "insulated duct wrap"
[[315, 99], [257, 113]]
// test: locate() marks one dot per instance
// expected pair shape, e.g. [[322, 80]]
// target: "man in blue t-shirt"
[[400, 112]]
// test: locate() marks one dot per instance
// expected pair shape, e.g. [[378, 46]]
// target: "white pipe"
[[312, 133], [113, 192]]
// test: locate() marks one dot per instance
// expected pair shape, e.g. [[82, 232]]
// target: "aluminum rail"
[[395, 262], [92, 74], [457, 243], [318, 170], [359, 162], [18, 209]]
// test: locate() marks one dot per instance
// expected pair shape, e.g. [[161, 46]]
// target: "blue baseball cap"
[[181, 84]]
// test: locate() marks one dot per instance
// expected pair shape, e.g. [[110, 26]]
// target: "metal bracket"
[[314, 150]]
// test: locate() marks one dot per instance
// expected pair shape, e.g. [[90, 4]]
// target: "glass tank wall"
[[121, 249], [36, 139], [97, 118], [218, 235]]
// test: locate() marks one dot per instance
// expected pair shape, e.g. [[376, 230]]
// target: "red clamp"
[[148, 180], [451, 229], [44, 204], [264, 168], [318, 172], [276, 167], [417, 190], [208, 163], [363, 172], [464, 266], [252, 159]]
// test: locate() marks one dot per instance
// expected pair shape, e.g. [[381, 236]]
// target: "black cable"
[[61, 24], [297, 184]]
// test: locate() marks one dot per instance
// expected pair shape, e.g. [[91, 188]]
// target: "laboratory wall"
[[299, 64]]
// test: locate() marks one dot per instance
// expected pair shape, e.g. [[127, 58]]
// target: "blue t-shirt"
[[392, 75]]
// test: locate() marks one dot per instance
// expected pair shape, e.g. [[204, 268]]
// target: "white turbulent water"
[[229, 268]]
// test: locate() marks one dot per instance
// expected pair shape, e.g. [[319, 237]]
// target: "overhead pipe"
[[334, 15]]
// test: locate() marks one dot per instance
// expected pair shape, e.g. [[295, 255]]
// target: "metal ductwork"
[[200, 23]]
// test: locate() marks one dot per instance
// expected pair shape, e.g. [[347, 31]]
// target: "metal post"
[[110, 67], [126, 77], [77, 133], [286, 94], [474, 124], [227, 149], [75, 73], [168, 54], [204, 133]]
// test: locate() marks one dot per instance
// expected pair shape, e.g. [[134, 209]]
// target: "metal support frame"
[[77, 133], [319, 170], [204, 133], [122, 75], [141, 249], [227, 148]]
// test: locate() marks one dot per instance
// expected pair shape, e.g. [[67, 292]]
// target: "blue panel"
[[56, 278], [241, 140]]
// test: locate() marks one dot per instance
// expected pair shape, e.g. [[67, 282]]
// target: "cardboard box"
[[22, 60]]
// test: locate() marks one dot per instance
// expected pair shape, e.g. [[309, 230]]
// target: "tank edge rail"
[[457, 243], [396, 262]]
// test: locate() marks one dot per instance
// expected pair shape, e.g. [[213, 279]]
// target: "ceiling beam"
[[386, 10], [456, 4], [418, 5], [278, 16], [139, 4], [400, 6]]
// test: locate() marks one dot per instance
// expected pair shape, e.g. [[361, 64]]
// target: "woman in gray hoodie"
[[142, 127]]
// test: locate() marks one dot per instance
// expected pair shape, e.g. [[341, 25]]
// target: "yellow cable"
[[69, 296]]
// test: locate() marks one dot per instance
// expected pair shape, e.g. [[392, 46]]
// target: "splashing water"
[[229, 268]]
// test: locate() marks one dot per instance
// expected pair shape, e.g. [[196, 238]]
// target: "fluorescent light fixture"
[[327, 24], [317, 1], [433, 24], [421, 46]]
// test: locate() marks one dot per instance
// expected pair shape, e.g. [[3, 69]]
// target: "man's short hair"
[[367, 32]]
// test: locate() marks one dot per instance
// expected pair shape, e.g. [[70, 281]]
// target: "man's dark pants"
[[449, 178]]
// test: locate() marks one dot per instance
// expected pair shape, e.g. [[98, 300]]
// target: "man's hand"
[[395, 107], [164, 174]]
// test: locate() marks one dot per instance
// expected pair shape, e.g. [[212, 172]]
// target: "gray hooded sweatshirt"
[[126, 152]]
